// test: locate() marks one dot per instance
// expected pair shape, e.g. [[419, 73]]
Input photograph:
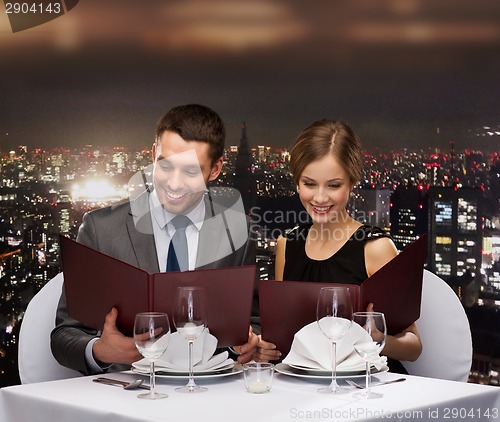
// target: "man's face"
[[181, 172]]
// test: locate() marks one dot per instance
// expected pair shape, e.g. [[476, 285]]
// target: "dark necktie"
[[178, 258]]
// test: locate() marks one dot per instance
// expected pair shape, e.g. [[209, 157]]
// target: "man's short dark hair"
[[195, 122]]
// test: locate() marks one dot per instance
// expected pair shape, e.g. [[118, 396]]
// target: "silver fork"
[[355, 384]]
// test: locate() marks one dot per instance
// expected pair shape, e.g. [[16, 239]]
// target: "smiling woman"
[[326, 163]]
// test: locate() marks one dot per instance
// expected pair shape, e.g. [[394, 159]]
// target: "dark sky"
[[106, 71]]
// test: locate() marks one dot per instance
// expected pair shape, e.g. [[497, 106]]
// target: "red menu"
[[395, 289], [95, 282]]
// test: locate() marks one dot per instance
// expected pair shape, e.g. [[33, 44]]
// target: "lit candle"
[[257, 386]]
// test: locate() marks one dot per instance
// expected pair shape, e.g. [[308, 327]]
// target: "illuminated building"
[[243, 178], [409, 214], [456, 238], [261, 153], [371, 206]]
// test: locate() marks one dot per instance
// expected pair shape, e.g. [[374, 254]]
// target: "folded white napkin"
[[311, 349], [176, 358]]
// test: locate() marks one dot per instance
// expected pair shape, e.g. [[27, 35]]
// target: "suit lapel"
[[214, 243], [208, 242], [212, 235], [140, 230]]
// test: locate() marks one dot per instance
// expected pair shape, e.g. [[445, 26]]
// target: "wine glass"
[[151, 336], [334, 314], [190, 320], [374, 324]]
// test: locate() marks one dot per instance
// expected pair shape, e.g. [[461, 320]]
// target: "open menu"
[[95, 282], [395, 289]]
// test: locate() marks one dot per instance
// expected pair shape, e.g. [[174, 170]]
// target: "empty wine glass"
[[190, 320], [151, 336], [374, 324], [334, 314]]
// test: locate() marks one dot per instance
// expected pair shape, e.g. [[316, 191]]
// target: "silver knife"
[[125, 384]]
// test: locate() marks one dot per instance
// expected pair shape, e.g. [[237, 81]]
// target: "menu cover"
[[95, 282], [395, 289]]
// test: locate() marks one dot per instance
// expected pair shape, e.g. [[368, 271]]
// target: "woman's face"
[[324, 190]]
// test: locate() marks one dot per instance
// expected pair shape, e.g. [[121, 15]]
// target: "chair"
[[445, 333], [35, 360]]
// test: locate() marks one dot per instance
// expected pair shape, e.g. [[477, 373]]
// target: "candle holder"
[[258, 377]]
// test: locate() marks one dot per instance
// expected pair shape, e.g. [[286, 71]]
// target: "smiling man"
[[187, 155]]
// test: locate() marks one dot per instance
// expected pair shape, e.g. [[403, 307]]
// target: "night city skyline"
[[416, 79]]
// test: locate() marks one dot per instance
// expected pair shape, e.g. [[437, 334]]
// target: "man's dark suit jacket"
[[125, 232]]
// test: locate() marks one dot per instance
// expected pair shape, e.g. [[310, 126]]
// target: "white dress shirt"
[[163, 230]]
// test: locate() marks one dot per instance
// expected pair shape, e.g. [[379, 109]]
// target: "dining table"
[[291, 398]]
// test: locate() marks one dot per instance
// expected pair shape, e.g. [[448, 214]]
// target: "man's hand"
[[113, 346]]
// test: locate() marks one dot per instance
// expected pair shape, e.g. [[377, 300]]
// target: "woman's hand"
[[256, 349], [266, 351], [405, 345], [375, 333], [247, 350]]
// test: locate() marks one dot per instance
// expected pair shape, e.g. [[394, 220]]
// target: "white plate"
[[222, 372], [144, 370], [285, 369], [328, 373]]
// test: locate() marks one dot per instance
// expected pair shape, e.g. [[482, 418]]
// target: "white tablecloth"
[[291, 399]]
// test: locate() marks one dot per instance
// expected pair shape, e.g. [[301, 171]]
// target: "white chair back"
[[445, 333], [35, 360]]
